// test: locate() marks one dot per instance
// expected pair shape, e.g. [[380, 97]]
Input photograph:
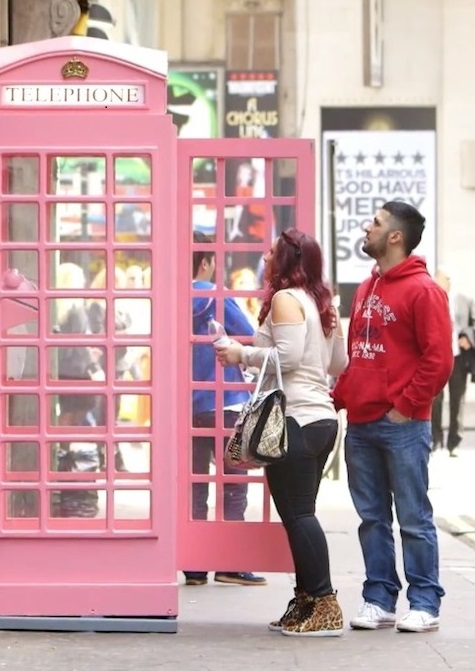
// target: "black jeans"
[[457, 389], [234, 493], [294, 485]]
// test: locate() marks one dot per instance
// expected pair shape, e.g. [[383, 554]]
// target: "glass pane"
[[132, 409], [285, 175], [77, 410], [245, 177], [21, 458], [24, 504], [74, 269], [77, 175], [132, 504], [19, 317], [204, 177], [133, 315], [133, 221], [77, 363], [78, 502], [20, 222], [133, 457], [204, 220], [72, 221], [132, 268], [20, 363], [254, 507], [77, 457], [22, 410], [244, 270], [20, 262], [133, 363], [132, 175], [21, 174], [284, 217]]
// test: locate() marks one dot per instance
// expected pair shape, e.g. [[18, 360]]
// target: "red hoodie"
[[399, 344]]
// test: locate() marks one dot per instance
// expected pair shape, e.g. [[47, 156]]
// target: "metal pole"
[[331, 150]]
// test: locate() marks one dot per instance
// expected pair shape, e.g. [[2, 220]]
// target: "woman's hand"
[[229, 355]]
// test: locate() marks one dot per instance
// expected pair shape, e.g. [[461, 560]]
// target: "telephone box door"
[[240, 194]]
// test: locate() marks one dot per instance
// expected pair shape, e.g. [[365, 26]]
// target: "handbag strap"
[[263, 370]]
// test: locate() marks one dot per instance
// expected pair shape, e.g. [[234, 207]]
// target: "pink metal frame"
[[80, 567], [224, 545]]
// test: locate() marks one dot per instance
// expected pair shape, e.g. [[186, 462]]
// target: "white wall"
[[429, 59]]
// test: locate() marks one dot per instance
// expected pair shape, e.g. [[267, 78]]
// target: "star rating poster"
[[370, 168]]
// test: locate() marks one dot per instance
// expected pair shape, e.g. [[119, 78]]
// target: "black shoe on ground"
[[195, 578], [240, 579]]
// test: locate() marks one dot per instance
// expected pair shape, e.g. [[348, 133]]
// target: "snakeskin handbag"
[[260, 433]]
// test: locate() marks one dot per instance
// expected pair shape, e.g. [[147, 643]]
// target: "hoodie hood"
[[203, 306], [413, 265]]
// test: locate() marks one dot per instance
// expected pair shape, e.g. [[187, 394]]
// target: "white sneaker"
[[418, 621], [371, 616]]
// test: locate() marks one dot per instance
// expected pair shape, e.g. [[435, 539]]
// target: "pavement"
[[224, 627]]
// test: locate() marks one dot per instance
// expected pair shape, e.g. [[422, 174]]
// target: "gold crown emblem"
[[74, 68]]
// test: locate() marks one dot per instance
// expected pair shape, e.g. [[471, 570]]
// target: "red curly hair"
[[297, 263]]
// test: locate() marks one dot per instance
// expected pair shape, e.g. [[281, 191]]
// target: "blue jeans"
[[388, 461]]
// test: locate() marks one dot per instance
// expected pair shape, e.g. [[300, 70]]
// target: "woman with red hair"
[[301, 326]]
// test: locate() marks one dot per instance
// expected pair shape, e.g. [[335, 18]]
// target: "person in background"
[[301, 327], [400, 358], [204, 410], [76, 363], [462, 312]]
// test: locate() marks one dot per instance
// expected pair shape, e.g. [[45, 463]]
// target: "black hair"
[[408, 220], [199, 256]]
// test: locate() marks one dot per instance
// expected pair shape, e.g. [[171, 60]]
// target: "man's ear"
[[396, 237]]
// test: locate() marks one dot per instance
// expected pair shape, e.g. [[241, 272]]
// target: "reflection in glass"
[[72, 222], [130, 409], [24, 504], [76, 409], [74, 268], [22, 409], [21, 221], [135, 315], [19, 317], [133, 364], [284, 177], [21, 174], [284, 216], [245, 278], [15, 364], [25, 262], [204, 219], [77, 363], [136, 457], [134, 267], [133, 221], [76, 501], [22, 457], [132, 175], [77, 457], [132, 504], [77, 175], [204, 177]]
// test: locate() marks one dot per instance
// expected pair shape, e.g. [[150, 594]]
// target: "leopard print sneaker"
[[318, 616], [290, 616]]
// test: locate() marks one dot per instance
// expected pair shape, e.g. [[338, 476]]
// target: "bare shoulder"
[[286, 309]]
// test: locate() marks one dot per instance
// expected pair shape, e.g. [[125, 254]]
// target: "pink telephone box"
[[87, 486], [104, 498]]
